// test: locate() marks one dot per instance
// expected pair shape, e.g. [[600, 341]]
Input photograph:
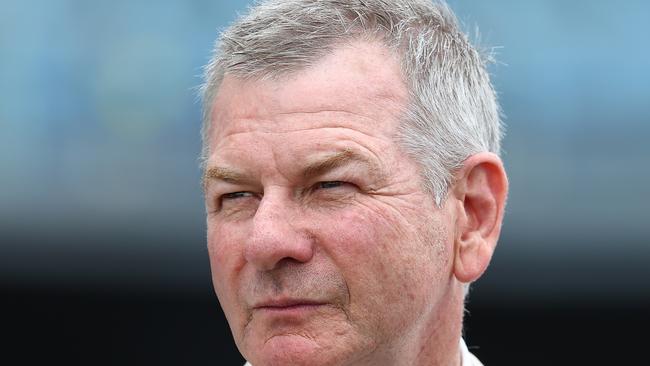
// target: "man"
[[352, 181]]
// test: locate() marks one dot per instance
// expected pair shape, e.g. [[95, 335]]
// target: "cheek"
[[224, 250], [369, 249], [219, 251], [225, 244], [392, 267]]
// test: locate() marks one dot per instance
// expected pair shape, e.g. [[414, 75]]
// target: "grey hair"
[[452, 112]]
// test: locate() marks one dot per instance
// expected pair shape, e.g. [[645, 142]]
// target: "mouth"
[[288, 306]]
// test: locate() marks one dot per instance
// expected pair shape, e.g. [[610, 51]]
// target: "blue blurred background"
[[101, 216]]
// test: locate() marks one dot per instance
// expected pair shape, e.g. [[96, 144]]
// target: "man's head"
[[352, 182], [452, 109]]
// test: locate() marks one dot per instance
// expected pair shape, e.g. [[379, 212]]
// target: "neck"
[[441, 334], [434, 342], [437, 342]]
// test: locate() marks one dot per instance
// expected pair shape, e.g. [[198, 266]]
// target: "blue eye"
[[235, 195], [332, 184]]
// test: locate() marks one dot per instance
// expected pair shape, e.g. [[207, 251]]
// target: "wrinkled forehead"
[[360, 78]]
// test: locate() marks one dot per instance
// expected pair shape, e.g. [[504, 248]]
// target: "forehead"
[[358, 79]]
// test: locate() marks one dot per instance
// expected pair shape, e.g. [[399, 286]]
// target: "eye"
[[237, 202], [329, 192], [235, 195], [329, 184], [234, 198], [334, 187]]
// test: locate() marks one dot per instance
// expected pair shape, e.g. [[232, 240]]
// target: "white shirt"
[[466, 357]]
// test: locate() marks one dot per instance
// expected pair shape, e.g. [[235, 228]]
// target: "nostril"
[[267, 250]]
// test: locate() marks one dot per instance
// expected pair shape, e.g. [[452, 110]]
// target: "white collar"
[[466, 357]]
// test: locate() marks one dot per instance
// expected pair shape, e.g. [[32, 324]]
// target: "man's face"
[[324, 247]]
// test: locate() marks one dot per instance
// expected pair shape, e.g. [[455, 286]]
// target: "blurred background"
[[102, 234]]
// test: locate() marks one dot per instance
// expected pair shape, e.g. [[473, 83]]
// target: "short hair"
[[452, 111]]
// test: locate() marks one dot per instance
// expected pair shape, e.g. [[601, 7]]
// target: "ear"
[[480, 190]]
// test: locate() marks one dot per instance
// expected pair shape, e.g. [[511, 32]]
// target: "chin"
[[292, 349]]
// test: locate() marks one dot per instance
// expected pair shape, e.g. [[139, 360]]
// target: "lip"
[[288, 306]]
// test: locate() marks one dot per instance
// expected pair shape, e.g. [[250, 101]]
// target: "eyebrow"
[[337, 160], [224, 174], [311, 170]]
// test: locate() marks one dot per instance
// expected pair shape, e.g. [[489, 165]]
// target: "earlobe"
[[480, 190]]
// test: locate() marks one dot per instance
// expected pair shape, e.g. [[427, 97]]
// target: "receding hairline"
[[283, 75], [390, 91]]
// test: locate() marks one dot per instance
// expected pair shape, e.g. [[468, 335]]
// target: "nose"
[[276, 235]]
